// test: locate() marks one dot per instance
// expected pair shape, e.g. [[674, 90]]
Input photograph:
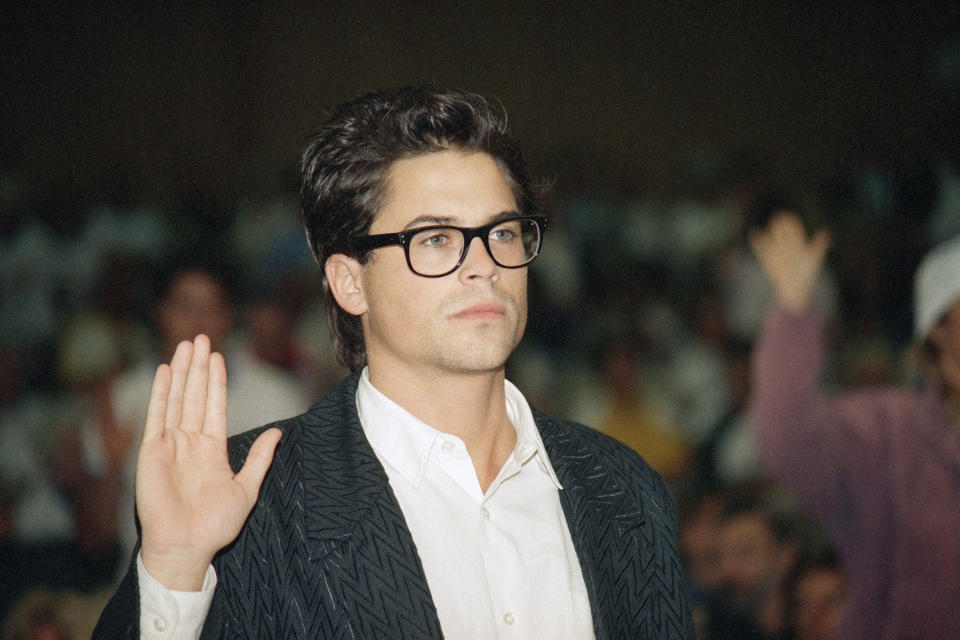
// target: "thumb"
[[820, 244], [757, 240], [258, 461]]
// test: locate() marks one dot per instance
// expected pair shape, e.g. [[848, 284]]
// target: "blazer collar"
[[590, 485], [345, 488], [342, 477], [599, 509]]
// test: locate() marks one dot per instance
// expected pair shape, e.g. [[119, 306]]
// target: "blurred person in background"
[[54, 614], [620, 404], [277, 330], [194, 296], [698, 540], [878, 467], [745, 290], [818, 598], [37, 533], [757, 553]]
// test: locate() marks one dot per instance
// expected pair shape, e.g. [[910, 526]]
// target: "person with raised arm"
[[879, 467], [423, 497]]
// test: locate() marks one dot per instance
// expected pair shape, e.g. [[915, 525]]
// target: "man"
[[757, 554], [193, 297], [818, 599], [879, 468], [422, 497]]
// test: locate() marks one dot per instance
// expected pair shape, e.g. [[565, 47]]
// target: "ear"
[[345, 279]]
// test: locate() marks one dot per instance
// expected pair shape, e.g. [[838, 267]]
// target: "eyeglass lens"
[[437, 250]]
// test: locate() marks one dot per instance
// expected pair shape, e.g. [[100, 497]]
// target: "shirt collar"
[[405, 441]]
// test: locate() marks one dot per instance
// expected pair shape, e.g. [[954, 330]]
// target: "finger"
[[764, 247], [759, 241], [257, 462], [215, 421], [786, 227], [195, 388], [179, 365], [157, 408], [821, 243]]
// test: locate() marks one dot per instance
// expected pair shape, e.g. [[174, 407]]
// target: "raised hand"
[[791, 261], [190, 502]]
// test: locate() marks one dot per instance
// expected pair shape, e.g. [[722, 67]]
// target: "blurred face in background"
[[699, 540], [195, 303], [820, 600], [752, 561], [945, 335]]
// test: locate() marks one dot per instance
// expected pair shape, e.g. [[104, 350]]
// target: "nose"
[[477, 263]]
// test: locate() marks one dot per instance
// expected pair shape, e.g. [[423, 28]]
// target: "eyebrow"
[[427, 220]]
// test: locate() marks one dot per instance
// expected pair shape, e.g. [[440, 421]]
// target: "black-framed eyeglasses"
[[438, 250]]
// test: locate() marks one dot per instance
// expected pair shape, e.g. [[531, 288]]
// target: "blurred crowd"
[[644, 309]]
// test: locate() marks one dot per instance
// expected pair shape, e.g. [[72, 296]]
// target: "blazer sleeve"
[[120, 619]]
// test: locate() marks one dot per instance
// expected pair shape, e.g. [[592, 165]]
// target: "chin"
[[485, 360]]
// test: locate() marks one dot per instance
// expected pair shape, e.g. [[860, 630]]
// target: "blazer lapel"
[[355, 530], [599, 514]]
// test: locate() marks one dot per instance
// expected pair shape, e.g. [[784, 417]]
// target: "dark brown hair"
[[345, 165]]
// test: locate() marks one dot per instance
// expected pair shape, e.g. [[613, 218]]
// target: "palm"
[[791, 261], [187, 492], [190, 502]]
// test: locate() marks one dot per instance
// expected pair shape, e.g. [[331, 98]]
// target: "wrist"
[[794, 307], [176, 570], [794, 302]]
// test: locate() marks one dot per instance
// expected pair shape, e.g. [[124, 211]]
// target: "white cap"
[[937, 286]]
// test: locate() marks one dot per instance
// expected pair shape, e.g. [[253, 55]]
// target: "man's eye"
[[502, 234], [434, 239]]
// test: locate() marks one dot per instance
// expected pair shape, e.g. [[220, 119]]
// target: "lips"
[[482, 310]]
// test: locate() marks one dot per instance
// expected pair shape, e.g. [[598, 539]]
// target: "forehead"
[[748, 524], [195, 284], [444, 186]]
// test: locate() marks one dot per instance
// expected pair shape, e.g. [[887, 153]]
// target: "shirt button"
[[159, 624], [447, 445], [508, 618], [486, 513]]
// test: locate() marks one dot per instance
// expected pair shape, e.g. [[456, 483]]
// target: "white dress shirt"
[[499, 564]]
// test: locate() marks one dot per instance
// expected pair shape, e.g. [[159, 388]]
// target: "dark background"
[[114, 101]]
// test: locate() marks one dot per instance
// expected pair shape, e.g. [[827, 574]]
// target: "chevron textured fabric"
[[327, 553]]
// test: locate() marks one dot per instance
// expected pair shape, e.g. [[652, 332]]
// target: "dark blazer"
[[327, 553]]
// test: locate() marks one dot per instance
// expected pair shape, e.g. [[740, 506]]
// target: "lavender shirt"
[[880, 468]]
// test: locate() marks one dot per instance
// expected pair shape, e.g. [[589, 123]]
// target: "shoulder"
[[583, 454], [570, 437], [330, 418]]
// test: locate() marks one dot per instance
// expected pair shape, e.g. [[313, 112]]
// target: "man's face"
[[699, 542], [467, 321], [195, 303], [820, 604], [752, 560]]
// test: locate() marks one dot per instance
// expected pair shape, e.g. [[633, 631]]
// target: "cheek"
[[396, 303], [516, 283]]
